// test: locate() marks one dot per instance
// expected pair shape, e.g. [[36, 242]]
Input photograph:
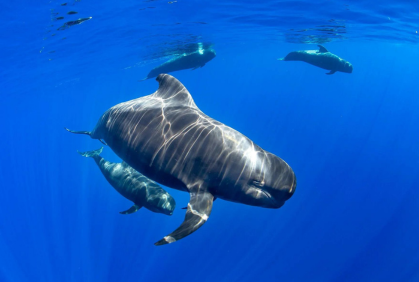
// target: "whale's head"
[[346, 67], [208, 54], [264, 179], [161, 203], [294, 56], [275, 180]]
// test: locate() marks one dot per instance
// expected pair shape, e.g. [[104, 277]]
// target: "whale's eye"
[[258, 183]]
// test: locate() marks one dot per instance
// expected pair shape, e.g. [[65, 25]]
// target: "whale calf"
[[192, 60], [134, 186], [166, 137], [321, 58]]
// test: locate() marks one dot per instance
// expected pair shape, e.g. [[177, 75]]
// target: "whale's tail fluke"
[[78, 132], [85, 133], [91, 154]]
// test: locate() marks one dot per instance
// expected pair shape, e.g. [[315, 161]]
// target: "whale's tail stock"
[[85, 133], [91, 154], [78, 132]]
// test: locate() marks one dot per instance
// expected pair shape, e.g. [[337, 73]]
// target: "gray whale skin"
[[168, 139], [321, 58]]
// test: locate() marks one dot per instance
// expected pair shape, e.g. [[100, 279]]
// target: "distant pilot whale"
[[322, 59], [134, 186], [167, 138], [192, 60]]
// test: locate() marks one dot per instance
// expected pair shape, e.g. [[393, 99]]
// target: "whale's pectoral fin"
[[331, 72], [215, 198], [198, 67], [322, 49], [131, 210], [199, 209]]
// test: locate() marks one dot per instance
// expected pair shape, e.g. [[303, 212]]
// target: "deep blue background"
[[352, 140]]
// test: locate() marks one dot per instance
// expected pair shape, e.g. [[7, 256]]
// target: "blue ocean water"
[[352, 139]]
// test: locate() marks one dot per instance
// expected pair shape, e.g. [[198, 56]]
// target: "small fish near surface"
[[134, 186], [166, 137], [321, 58], [193, 60]]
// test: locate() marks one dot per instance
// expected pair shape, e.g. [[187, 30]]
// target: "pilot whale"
[[321, 58], [192, 60], [134, 186], [166, 137]]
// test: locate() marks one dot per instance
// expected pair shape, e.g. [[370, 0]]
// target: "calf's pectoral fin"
[[198, 211], [331, 72], [131, 210]]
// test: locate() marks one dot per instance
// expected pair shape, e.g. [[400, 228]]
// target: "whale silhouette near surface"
[[185, 61], [320, 58]]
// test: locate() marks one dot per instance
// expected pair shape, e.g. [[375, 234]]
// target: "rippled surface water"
[[351, 139], [152, 29]]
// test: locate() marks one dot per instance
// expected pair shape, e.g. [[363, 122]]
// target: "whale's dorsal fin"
[[173, 92], [322, 49]]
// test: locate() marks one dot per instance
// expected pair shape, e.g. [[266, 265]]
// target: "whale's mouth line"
[[273, 201], [267, 195]]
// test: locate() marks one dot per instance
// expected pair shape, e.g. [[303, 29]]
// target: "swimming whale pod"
[[166, 137]]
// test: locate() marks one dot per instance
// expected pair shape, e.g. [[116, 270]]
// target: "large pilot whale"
[[168, 139], [321, 58], [134, 186], [185, 61]]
